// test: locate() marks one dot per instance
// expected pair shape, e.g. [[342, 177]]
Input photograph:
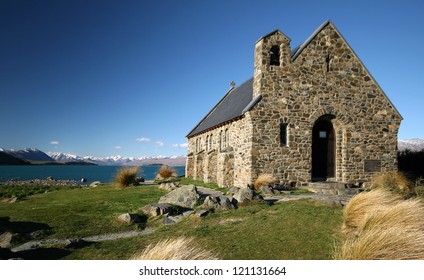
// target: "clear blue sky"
[[132, 78]]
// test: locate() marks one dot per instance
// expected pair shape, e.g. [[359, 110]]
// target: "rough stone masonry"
[[312, 113]]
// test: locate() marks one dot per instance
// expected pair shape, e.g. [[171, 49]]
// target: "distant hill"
[[6, 159], [30, 155]]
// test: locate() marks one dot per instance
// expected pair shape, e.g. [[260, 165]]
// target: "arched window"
[[227, 138], [210, 142], [274, 56], [207, 143]]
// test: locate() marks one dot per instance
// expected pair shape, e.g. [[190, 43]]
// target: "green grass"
[[291, 230], [81, 212], [27, 190]]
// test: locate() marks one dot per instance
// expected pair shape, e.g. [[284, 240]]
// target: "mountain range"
[[28, 156]]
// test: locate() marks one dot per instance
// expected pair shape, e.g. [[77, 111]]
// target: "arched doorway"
[[323, 149]]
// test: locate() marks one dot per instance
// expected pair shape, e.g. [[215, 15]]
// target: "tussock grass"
[[381, 225], [263, 180], [364, 203], [393, 243], [182, 248], [403, 214], [165, 173], [393, 181], [126, 176]]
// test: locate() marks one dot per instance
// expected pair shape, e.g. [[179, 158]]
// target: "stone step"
[[333, 188]]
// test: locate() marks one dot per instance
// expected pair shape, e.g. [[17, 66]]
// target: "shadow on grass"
[[42, 254], [23, 228]]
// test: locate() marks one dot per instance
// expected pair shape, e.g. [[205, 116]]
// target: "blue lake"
[[74, 172]]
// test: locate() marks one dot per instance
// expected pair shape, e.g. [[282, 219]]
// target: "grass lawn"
[[291, 230]]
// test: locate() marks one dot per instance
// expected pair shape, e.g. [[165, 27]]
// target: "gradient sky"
[[132, 78]]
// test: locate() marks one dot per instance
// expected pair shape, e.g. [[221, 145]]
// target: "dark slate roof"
[[230, 107]]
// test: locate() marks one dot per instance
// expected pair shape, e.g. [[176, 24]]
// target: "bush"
[[364, 203], [393, 181], [393, 243], [126, 176], [263, 180], [182, 248], [165, 173]]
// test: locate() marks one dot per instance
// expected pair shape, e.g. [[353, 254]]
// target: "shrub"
[[165, 173], [182, 248], [126, 176], [364, 203], [393, 181], [393, 243], [263, 180], [403, 214]]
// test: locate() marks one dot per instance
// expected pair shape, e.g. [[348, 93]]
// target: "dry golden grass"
[[364, 203], [393, 181], [126, 176], [403, 214], [393, 243], [263, 180], [165, 173], [181, 248]]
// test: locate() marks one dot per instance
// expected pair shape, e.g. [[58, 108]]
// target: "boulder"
[[186, 197], [170, 220], [129, 218], [202, 213], [6, 239], [218, 202], [169, 186], [95, 184], [266, 191], [158, 209], [243, 195]]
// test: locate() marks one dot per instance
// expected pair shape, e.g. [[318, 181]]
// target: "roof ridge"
[[301, 47]]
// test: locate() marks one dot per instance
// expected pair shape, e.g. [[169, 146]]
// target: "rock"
[[218, 202], [50, 178], [169, 186], [233, 191], [188, 212], [95, 184], [158, 209], [170, 220], [83, 180], [243, 194], [186, 197], [6, 239], [129, 218], [139, 179], [266, 191], [202, 213]]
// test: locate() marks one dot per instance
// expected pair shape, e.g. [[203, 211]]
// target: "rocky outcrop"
[[186, 197]]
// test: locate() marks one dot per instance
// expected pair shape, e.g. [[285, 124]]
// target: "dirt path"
[[73, 241]]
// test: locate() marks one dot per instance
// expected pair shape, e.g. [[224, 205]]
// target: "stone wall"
[[326, 78]]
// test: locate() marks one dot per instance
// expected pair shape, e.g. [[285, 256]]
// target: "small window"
[[323, 134], [274, 55], [283, 135]]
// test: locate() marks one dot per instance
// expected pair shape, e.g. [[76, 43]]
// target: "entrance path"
[[69, 241]]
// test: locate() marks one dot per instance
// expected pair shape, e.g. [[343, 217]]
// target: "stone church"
[[312, 113]]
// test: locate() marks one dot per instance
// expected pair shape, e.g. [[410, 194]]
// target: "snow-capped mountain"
[[416, 144], [29, 154], [119, 160]]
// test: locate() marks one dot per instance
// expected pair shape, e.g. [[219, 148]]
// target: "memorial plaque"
[[372, 165]]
